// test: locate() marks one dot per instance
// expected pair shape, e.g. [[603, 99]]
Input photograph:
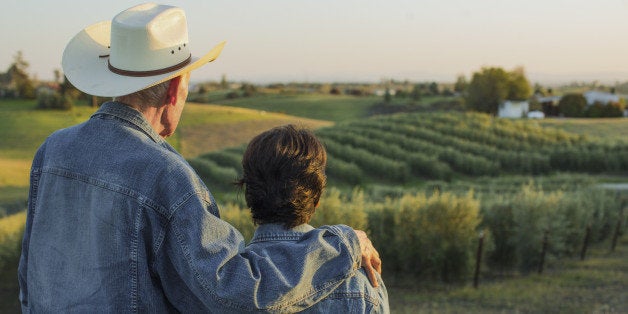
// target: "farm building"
[[513, 109], [594, 96]]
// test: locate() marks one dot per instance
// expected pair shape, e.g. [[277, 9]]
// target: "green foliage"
[[492, 85], [488, 88], [610, 110], [572, 105], [519, 87], [426, 237], [519, 222], [335, 208], [215, 176], [240, 218], [11, 230], [54, 101]]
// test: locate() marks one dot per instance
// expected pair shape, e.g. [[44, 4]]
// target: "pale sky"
[[357, 40]]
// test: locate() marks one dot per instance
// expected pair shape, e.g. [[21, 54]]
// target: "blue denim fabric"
[[354, 295], [119, 222]]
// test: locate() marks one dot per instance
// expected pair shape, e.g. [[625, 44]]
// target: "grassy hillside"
[[314, 106], [202, 128]]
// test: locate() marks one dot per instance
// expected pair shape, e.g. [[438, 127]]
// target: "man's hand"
[[370, 258]]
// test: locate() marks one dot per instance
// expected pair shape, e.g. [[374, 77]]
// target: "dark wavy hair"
[[283, 175]]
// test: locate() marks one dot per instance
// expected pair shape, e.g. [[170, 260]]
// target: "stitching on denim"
[[125, 114], [142, 199]]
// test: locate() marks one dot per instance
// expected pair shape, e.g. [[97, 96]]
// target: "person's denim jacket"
[[119, 222], [355, 295]]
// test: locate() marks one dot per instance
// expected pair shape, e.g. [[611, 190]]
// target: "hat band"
[[151, 72]]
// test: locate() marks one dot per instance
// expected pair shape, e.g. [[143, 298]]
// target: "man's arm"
[[203, 264], [32, 197]]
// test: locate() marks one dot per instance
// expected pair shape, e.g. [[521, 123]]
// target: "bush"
[[335, 208], [572, 105], [240, 218], [427, 237], [54, 101], [213, 175], [11, 231]]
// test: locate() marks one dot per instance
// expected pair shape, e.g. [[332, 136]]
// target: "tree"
[[461, 84], [488, 88], [19, 79], [416, 92], [433, 87], [518, 87], [492, 85], [572, 105]]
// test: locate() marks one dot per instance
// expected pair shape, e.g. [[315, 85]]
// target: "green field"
[[214, 133]]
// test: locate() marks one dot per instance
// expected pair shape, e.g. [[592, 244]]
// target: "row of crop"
[[421, 164], [509, 161], [376, 166], [468, 124], [592, 159], [436, 236]]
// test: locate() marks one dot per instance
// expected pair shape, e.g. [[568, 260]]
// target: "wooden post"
[[478, 260], [543, 250], [585, 243], [618, 226]]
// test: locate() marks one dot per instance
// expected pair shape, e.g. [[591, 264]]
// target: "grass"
[[613, 129], [315, 106], [204, 128], [596, 285]]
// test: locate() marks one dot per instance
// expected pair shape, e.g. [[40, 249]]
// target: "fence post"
[[543, 250], [585, 243], [478, 260], [618, 225]]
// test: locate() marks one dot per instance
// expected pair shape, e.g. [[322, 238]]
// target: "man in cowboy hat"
[[117, 219]]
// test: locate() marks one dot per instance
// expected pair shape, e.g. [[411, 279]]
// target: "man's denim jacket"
[[355, 295], [119, 222]]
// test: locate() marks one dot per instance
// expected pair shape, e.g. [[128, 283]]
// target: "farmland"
[[452, 174]]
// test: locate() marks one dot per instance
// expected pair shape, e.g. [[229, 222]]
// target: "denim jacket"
[[354, 295], [119, 222]]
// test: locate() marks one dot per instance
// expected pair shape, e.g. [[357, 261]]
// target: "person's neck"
[[152, 114]]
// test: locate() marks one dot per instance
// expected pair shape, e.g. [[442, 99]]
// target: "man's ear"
[[173, 88]]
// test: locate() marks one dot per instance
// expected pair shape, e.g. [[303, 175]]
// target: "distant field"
[[607, 129], [205, 128], [314, 106]]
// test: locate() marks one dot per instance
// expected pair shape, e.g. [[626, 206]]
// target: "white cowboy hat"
[[141, 47]]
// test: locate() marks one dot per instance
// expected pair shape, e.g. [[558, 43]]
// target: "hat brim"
[[88, 71]]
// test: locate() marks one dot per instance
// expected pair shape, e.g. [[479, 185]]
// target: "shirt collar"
[[130, 115], [274, 232]]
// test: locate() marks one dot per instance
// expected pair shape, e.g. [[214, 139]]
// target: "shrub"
[[213, 175], [54, 101], [240, 218], [427, 237], [11, 231], [572, 105], [335, 208]]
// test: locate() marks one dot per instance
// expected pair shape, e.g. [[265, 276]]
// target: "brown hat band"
[[151, 72]]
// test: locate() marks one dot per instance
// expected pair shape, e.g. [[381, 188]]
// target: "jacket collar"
[[130, 115], [275, 232]]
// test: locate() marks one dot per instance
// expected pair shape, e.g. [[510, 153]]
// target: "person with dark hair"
[[283, 179], [119, 222]]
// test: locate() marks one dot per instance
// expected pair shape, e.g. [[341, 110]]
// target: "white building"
[[602, 97], [513, 109]]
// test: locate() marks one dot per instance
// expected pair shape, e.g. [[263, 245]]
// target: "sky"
[[555, 41]]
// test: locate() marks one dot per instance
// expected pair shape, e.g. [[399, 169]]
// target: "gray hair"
[[148, 97]]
